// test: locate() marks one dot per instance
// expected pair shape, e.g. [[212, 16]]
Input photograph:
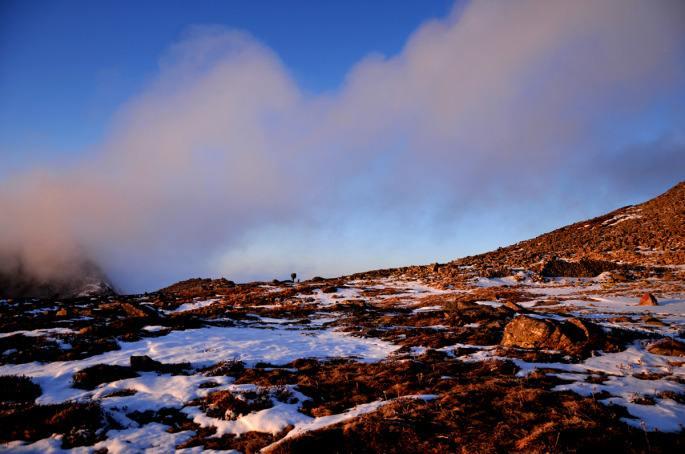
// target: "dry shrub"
[[79, 423], [230, 405], [18, 388], [91, 377]]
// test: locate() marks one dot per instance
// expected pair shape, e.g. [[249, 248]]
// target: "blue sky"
[[67, 65], [325, 137]]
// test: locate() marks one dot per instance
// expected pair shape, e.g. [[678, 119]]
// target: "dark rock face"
[[648, 300], [572, 336], [667, 347], [85, 279], [583, 268]]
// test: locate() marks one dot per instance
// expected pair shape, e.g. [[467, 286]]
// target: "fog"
[[224, 165]]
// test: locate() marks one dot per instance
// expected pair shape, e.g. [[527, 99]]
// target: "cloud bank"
[[224, 154]]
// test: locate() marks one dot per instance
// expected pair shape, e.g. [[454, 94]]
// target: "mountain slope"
[[651, 233]]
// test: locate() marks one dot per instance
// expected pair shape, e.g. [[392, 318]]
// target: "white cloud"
[[499, 99]]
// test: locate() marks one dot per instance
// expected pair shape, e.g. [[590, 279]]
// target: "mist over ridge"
[[224, 165]]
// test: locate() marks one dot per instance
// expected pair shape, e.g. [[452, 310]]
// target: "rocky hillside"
[[651, 233], [631, 241]]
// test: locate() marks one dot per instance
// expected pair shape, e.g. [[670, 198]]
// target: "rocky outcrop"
[[129, 309], [585, 267], [573, 336]]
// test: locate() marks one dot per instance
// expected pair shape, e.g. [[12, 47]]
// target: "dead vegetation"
[[91, 377], [17, 388], [493, 414], [80, 424]]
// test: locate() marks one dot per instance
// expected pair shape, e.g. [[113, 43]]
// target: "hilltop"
[[651, 233]]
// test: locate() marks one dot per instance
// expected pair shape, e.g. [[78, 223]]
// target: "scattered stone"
[[133, 311], [585, 267], [492, 273]]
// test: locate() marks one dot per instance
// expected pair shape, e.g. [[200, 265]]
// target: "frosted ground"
[[322, 333]]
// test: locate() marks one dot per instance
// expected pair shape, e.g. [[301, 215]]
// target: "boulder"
[[667, 347], [648, 300], [572, 336]]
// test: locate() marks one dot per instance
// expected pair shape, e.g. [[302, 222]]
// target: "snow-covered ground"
[[629, 377], [194, 305], [203, 347]]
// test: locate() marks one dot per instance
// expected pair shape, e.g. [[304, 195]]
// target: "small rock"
[[87, 330], [648, 300], [514, 307]]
